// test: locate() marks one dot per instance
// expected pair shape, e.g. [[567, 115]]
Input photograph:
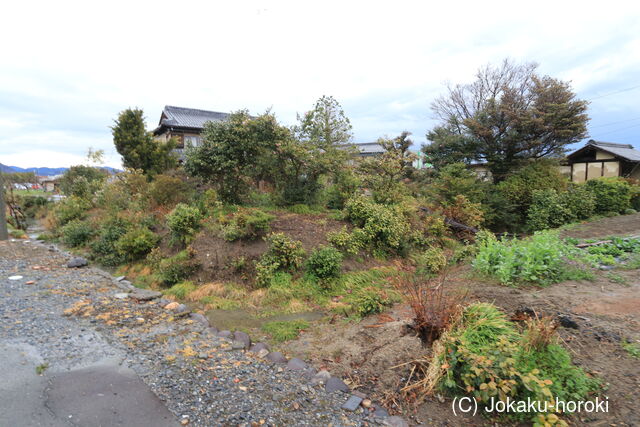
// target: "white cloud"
[[70, 66]]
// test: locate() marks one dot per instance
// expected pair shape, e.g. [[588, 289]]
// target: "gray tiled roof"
[[189, 117], [626, 151], [369, 147]]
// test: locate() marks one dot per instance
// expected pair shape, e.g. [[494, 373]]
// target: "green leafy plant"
[[284, 254], [178, 267], [350, 243], [610, 194], [324, 262], [246, 224], [136, 243], [103, 248], [76, 233], [430, 261], [184, 222]]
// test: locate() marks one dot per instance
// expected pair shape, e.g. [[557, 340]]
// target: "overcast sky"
[[67, 68]]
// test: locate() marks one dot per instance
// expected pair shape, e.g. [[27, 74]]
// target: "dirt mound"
[[233, 261]]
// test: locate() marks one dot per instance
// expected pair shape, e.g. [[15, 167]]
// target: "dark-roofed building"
[[184, 124], [368, 149], [603, 159]]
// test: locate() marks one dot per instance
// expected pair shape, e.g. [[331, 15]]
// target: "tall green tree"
[[508, 115], [137, 146], [326, 124]]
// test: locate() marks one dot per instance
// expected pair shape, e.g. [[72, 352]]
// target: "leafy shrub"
[[580, 202], [166, 190], [547, 211], [464, 211], [246, 224], [350, 243], [136, 243], [431, 261], [324, 262], [538, 259], [384, 227], [484, 355], [370, 300], [285, 330], [178, 267], [82, 181], [104, 247], [611, 194], [346, 185], [539, 175], [76, 233], [284, 254], [300, 209], [184, 222], [69, 209]]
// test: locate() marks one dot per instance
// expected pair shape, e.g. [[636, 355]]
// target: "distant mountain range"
[[45, 171]]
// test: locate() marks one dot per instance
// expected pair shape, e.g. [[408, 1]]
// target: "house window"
[[192, 140]]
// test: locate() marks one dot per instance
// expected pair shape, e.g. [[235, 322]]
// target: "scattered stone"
[[321, 377], [213, 330], [126, 284], [242, 337], [379, 411], [77, 262], [242, 388], [145, 294], [567, 322], [203, 356], [366, 403], [352, 403], [197, 317], [259, 346], [276, 357], [182, 309], [30, 282], [395, 421], [120, 278], [296, 364], [262, 353], [163, 302], [140, 319], [15, 277], [121, 295], [224, 334], [237, 345], [336, 384], [309, 373], [172, 306], [359, 394], [606, 267]]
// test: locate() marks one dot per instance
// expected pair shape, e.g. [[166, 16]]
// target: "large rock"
[[243, 337], [197, 317], [224, 334], [352, 403], [77, 262], [276, 357], [296, 364], [395, 421], [336, 384], [258, 346], [321, 377], [144, 294]]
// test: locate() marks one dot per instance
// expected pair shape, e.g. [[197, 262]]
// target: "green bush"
[[136, 243], [486, 356], [284, 254], [539, 259], [350, 243], [611, 194], [76, 233], [82, 181], [69, 209], [580, 202], [184, 222], [246, 224], [547, 210], [166, 190], [431, 261], [285, 330], [539, 175], [324, 263], [104, 247], [370, 300], [178, 267], [384, 227]]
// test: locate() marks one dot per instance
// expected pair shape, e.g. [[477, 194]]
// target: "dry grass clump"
[[215, 289]]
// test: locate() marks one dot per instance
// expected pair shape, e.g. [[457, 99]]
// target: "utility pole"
[[4, 234]]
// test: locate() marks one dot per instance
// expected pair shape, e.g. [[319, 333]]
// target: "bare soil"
[[604, 310], [219, 257]]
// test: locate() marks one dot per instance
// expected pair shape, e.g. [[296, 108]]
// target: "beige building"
[[184, 124], [603, 159]]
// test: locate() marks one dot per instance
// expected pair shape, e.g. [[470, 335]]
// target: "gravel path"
[[73, 318]]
